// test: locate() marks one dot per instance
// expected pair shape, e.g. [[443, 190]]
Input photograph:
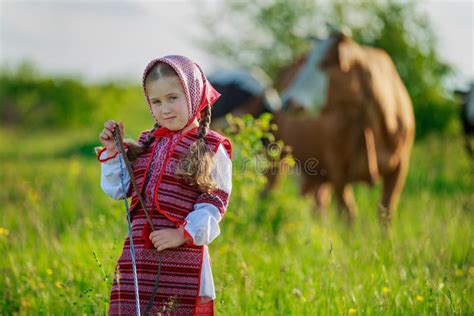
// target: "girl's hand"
[[107, 139], [168, 238]]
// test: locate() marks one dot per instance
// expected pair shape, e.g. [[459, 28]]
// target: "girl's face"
[[168, 102]]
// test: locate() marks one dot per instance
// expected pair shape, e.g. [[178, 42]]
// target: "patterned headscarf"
[[198, 90]]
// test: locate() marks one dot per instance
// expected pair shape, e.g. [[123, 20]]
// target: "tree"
[[32, 100], [272, 33]]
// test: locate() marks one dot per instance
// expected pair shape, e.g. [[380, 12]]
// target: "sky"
[[99, 40]]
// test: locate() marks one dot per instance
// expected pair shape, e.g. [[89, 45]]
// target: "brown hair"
[[195, 166]]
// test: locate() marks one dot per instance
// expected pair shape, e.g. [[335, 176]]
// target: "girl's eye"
[[173, 98]]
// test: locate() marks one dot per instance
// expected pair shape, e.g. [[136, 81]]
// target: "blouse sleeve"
[[110, 176], [202, 224]]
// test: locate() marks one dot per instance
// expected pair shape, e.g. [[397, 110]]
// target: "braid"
[[195, 168], [150, 137], [135, 149], [204, 122]]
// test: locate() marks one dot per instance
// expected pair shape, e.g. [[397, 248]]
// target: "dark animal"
[[242, 92], [467, 118]]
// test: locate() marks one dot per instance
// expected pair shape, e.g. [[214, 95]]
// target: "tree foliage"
[[31, 100]]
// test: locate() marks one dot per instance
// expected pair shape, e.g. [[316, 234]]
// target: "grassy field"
[[60, 237]]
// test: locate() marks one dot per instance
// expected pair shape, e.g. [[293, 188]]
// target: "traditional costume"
[[185, 273]]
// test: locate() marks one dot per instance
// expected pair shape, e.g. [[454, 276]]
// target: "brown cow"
[[364, 127]]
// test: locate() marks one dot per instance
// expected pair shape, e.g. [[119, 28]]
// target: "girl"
[[183, 170]]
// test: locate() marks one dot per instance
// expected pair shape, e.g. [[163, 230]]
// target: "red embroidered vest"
[[164, 192]]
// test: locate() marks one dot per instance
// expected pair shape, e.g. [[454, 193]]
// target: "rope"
[[132, 247], [124, 161]]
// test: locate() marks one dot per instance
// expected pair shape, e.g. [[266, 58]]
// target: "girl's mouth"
[[169, 118]]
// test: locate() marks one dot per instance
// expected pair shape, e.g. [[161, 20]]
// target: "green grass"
[[60, 237]]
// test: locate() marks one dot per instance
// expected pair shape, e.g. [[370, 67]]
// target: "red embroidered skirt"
[[179, 277]]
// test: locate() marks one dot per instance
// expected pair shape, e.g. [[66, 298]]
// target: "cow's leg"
[[306, 185], [346, 202], [322, 195], [371, 155], [392, 186]]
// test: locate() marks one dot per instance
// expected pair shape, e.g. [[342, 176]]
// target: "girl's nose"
[[166, 108]]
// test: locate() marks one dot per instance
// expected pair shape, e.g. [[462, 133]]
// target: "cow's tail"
[[371, 150]]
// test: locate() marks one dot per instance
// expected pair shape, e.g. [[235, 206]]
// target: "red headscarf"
[[198, 90], [199, 94]]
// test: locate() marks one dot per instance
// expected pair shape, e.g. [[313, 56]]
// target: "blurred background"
[[97, 43], [67, 66]]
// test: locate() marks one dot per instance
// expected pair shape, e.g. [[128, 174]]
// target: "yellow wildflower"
[[352, 311], [385, 290], [49, 272], [41, 285], [58, 284], [4, 231], [420, 298]]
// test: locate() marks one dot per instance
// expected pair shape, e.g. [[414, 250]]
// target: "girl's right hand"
[[107, 138]]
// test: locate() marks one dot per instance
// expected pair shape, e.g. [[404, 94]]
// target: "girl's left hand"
[[167, 238]]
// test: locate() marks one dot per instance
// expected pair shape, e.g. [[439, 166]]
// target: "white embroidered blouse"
[[202, 223]]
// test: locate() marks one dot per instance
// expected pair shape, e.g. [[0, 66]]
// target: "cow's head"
[[309, 88]]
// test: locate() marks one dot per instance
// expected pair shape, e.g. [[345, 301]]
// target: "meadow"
[[60, 236]]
